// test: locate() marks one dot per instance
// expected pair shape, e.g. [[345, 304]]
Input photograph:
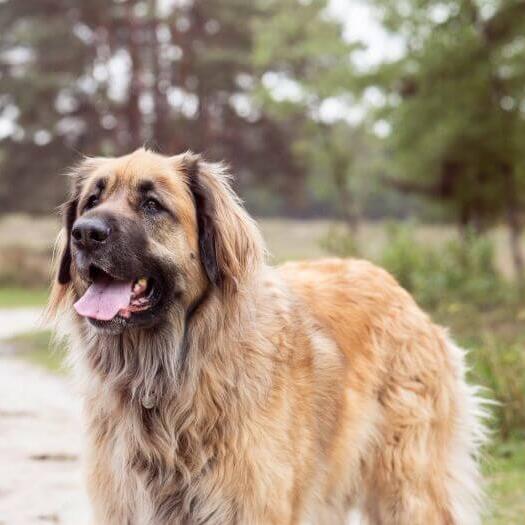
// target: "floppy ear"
[[64, 268], [205, 211], [230, 245]]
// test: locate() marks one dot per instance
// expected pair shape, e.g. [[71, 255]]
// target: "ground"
[[40, 436]]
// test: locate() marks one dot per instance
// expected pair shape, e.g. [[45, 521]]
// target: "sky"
[[359, 24]]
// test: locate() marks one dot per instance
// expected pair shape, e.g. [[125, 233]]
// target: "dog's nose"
[[90, 233]]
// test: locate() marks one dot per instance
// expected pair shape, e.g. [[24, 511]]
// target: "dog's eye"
[[151, 205], [91, 202]]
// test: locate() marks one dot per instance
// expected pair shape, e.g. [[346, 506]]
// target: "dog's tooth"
[[140, 285]]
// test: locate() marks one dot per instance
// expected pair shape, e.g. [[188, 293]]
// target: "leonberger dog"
[[220, 390]]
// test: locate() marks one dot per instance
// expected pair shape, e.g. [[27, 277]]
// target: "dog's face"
[[141, 240]]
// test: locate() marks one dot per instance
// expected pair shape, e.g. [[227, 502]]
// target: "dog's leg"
[[426, 471]]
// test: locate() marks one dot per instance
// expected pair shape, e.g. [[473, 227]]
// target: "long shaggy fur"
[[291, 395]]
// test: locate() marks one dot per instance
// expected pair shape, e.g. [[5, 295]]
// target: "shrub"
[[501, 368], [24, 266], [459, 270], [340, 241]]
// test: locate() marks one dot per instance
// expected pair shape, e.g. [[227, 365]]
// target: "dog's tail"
[[465, 483]]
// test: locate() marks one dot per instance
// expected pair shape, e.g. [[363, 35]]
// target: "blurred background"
[[387, 129]]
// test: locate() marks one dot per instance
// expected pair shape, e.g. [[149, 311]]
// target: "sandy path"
[[19, 320], [40, 439]]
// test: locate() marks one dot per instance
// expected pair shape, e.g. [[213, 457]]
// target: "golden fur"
[[292, 396]]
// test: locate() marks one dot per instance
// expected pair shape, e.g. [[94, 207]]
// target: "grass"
[[505, 472], [18, 297]]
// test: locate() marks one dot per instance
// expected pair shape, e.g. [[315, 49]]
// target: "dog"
[[220, 390]]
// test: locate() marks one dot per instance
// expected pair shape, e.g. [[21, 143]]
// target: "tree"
[[41, 64], [104, 77], [304, 62], [456, 108]]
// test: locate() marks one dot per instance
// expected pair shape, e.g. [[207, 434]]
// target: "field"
[[493, 331]]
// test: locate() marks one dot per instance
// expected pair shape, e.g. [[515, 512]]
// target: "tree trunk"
[[161, 79], [133, 114], [488, 31]]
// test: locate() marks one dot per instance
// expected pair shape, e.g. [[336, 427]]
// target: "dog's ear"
[[230, 245], [69, 212], [206, 217], [77, 175]]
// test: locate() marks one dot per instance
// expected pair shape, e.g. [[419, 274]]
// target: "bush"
[[340, 241], [460, 270], [24, 266], [501, 368], [26, 247]]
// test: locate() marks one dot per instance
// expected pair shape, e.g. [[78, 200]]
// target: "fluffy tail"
[[465, 484]]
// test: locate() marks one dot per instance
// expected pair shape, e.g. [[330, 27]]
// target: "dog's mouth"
[[110, 299]]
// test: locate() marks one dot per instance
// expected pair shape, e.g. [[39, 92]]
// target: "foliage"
[[465, 81], [340, 241], [106, 77], [458, 270], [455, 107], [462, 270], [306, 64], [501, 368]]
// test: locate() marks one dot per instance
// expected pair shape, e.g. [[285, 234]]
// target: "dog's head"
[[146, 235]]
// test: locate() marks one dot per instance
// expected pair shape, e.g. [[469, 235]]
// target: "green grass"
[[505, 473], [22, 297], [38, 348]]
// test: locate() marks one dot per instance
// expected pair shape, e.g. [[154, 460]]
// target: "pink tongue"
[[103, 300]]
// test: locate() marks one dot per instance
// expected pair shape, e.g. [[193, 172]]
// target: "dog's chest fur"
[[162, 475], [158, 443]]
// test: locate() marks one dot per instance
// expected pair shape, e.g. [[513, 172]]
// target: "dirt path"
[[40, 439], [19, 320]]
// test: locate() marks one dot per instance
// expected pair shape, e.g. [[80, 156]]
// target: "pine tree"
[[104, 77], [456, 104]]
